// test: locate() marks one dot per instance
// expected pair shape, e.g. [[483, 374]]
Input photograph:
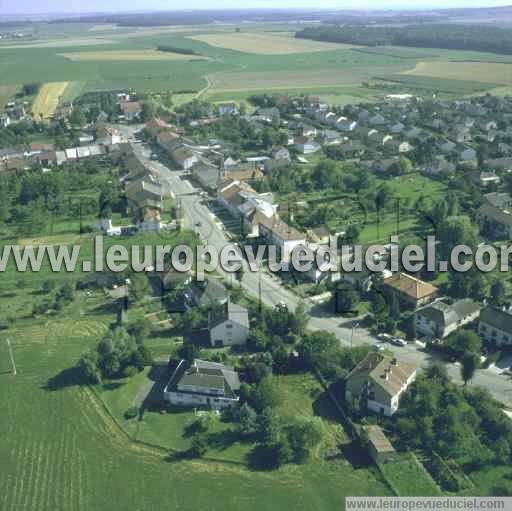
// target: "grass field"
[[61, 450], [267, 43], [127, 55], [490, 72], [437, 84], [48, 98]]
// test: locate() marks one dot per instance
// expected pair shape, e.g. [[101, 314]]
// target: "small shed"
[[379, 447]]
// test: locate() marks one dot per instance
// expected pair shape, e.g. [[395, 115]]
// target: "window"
[[229, 325]]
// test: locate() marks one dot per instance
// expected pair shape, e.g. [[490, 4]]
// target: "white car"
[[397, 341], [384, 337]]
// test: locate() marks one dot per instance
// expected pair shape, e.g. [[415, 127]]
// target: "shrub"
[[131, 413]]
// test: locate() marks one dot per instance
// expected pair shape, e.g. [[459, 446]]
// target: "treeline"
[[448, 36], [175, 49]]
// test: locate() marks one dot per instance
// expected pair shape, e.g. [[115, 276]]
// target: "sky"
[[78, 6]]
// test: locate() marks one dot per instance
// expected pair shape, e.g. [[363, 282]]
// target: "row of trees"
[[449, 36]]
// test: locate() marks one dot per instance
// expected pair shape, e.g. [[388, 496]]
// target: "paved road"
[[273, 292]]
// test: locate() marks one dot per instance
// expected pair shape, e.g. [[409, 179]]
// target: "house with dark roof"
[[228, 325], [378, 382], [411, 290], [495, 326], [440, 319], [495, 215], [203, 383], [207, 293]]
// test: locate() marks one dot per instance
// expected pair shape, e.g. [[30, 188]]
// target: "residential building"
[[131, 110], [207, 293], [495, 215], [440, 319], [282, 235], [411, 290], [306, 145], [227, 108], [378, 382], [203, 383], [495, 326], [228, 325]]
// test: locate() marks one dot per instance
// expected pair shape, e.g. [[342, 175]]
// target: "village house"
[[131, 110], [495, 326], [228, 325], [207, 293], [495, 215], [227, 108], [184, 157], [155, 126], [411, 290], [202, 383], [107, 136], [281, 235], [440, 319], [281, 153], [306, 145], [378, 382]]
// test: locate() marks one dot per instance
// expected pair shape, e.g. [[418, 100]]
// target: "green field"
[[62, 450]]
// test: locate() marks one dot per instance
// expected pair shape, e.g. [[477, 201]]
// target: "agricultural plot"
[[285, 80], [489, 72], [127, 55], [48, 99], [266, 43], [434, 83]]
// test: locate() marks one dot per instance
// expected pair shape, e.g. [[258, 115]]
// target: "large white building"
[[205, 384]]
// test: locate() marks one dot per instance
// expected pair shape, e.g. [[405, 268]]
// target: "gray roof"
[[209, 292], [202, 373], [229, 312], [497, 318], [447, 314]]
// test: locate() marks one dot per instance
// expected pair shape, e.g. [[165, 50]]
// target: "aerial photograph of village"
[[255, 256]]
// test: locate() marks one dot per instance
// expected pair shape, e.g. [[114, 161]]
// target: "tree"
[[498, 292], [88, 367], [247, 420], [346, 298], [266, 394], [189, 351], [303, 435], [199, 446], [149, 109], [464, 342], [470, 363], [268, 426]]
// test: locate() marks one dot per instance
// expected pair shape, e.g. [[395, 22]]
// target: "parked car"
[[398, 341], [384, 337]]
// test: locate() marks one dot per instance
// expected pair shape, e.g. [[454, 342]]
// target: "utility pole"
[[12, 357]]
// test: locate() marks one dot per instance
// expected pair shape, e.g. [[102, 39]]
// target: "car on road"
[[199, 224], [398, 341], [384, 337]]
